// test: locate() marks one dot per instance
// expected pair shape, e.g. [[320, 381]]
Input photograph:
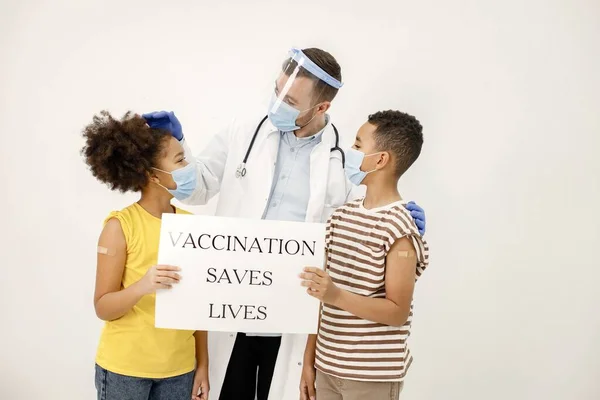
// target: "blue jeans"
[[111, 386]]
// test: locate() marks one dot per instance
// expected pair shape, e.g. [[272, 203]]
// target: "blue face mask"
[[185, 178], [354, 159], [284, 118]]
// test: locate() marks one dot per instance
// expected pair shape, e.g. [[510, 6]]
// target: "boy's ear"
[[385, 158]]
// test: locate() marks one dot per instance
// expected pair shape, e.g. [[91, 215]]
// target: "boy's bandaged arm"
[[394, 309]]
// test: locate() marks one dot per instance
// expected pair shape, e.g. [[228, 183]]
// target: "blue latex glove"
[[418, 215], [164, 120]]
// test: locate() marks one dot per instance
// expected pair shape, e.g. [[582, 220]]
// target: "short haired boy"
[[374, 255]]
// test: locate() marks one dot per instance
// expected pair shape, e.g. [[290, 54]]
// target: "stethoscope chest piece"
[[241, 171]]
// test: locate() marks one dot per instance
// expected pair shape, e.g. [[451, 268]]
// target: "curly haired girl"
[[135, 360]]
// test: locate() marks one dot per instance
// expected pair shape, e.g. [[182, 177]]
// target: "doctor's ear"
[[324, 107]]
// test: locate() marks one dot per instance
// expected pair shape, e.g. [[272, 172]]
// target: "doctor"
[[285, 166]]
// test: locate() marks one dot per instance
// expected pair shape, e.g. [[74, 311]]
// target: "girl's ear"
[[152, 177]]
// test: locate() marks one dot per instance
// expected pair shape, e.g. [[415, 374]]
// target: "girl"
[[135, 360]]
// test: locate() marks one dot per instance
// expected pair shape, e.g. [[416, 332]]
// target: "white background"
[[508, 93], [187, 305]]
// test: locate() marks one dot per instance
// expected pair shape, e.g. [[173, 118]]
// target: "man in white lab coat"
[[285, 166]]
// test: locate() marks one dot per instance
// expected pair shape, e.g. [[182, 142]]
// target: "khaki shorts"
[[332, 388]]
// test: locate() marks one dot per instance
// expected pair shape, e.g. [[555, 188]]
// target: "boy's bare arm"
[[307, 380], [400, 277], [311, 342], [311, 345]]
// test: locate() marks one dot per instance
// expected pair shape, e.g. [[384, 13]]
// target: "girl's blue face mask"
[[185, 178]]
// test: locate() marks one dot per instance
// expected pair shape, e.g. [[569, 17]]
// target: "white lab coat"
[[247, 198]]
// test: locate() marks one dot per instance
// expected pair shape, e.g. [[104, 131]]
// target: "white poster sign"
[[238, 275]]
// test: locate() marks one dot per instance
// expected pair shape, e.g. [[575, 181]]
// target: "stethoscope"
[[241, 170]]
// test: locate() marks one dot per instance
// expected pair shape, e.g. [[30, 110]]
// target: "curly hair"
[[122, 152], [400, 133]]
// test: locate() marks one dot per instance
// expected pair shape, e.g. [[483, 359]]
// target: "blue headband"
[[314, 69]]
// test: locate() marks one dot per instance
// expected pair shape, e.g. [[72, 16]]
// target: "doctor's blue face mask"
[[185, 178], [284, 116]]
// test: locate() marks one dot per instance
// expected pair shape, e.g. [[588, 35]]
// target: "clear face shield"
[[300, 89]]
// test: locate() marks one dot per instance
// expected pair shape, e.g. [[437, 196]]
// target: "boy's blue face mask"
[[185, 178], [354, 160]]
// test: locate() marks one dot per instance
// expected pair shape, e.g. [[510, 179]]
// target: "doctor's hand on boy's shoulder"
[[320, 285]]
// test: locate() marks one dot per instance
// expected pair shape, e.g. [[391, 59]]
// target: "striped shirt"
[[358, 241]]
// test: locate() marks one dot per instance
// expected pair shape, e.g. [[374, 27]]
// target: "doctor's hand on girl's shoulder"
[[320, 285], [158, 277]]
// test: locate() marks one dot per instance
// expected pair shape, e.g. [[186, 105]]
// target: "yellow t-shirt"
[[131, 345]]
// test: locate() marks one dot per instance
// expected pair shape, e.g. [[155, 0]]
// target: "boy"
[[374, 256]]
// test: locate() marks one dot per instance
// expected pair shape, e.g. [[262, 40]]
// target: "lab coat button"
[[299, 364]]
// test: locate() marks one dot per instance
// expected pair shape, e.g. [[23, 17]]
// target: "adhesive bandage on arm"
[[106, 251], [406, 254]]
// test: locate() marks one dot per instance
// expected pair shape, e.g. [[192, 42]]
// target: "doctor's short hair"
[[327, 63], [121, 152], [399, 133]]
